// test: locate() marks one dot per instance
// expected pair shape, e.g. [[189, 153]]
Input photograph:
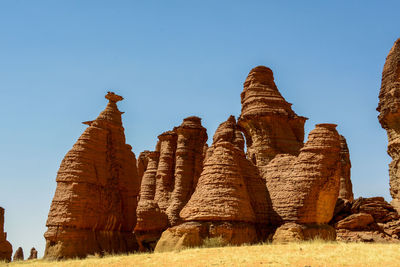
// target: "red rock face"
[[169, 180], [268, 122], [18, 255], [346, 187], [304, 189], [5, 246], [94, 206], [230, 198], [33, 254], [366, 220], [389, 116]]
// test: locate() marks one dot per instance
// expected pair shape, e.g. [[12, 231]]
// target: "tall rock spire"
[[94, 206], [5, 246], [389, 116], [270, 125]]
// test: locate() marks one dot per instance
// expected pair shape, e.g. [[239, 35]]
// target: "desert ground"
[[313, 253]]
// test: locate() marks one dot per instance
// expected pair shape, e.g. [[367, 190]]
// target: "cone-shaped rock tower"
[[94, 206]]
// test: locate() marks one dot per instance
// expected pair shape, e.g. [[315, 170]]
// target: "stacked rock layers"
[[389, 116], [169, 180], [229, 200], [5, 246], [94, 206], [268, 122]]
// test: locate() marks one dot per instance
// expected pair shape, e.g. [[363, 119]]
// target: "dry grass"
[[316, 253]]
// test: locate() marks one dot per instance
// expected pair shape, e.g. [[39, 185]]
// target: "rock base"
[[72, 243], [193, 234], [293, 232]]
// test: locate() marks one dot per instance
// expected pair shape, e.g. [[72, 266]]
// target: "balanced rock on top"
[[94, 206]]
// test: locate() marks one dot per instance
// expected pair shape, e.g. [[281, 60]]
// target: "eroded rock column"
[[94, 206], [389, 116], [5, 246]]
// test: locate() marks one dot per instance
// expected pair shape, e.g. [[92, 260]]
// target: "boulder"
[[355, 221], [5, 246], [293, 232], [389, 115], [94, 206], [18, 255]]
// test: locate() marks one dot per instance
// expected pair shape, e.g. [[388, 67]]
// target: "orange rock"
[[142, 164], [355, 221], [304, 189], [94, 206], [188, 164], [269, 124], [18, 255], [5, 246], [346, 187], [171, 174], [389, 115], [33, 254]]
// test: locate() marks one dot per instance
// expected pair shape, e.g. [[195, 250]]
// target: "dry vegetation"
[[316, 253]]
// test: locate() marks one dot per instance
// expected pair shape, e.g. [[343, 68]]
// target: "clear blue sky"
[[172, 59]]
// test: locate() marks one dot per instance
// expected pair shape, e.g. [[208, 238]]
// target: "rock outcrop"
[[304, 189], [33, 254], [94, 206], [5, 246], [229, 200], [346, 187], [389, 116], [268, 122], [366, 220], [18, 255], [169, 180]]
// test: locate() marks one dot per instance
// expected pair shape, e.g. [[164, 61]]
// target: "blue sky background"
[[173, 59]]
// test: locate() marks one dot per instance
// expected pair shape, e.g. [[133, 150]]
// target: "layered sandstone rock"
[[18, 255], [171, 175], [229, 200], [346, 187], [389, 116], [33, 254], [366, 220], [142, 162], [270, 125], [304, 189], [5, 246], [94, 206]]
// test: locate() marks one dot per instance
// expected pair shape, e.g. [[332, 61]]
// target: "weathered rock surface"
[[304, 189], [389, 115], [366, 220], [290, 232], [18, 255], [142, 164], [94, 206], [268, 122], [33, 254], [169, 179], [346, 187], [229, 200], [5, 246]]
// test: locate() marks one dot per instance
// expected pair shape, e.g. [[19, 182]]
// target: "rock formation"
[[18, 255], [33, 254], [169, 179], [366, 220], [389, 116], [229, 200], [268, 122], [94, 206], [304, 189], [346, 187], [5, 246]]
